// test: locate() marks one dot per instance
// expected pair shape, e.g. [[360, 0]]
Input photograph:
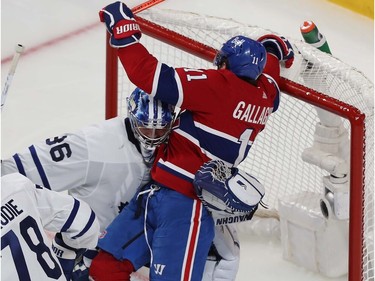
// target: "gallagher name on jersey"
[[252, 113]]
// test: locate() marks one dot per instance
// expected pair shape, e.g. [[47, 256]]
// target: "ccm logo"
[[125, 28]]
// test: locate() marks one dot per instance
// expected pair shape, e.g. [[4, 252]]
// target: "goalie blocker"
[[231, 195]]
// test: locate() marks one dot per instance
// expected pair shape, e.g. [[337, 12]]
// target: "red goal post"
[[317, 80]]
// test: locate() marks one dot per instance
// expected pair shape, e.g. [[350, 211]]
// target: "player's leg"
[[124, 234], [184, 231]]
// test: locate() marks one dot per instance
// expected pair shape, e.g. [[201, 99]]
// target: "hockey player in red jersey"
[[223, 111]]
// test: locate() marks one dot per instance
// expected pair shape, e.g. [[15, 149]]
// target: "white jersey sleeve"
[[98, 164], [26, 210]]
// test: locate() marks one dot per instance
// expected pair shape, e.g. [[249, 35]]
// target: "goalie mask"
[[243, 56], [151, 119]]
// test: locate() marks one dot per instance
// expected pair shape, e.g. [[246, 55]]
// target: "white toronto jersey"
[[26, 210], [99, 164]]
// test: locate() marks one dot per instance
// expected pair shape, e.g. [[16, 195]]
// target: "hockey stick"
[[12, 70], [145, 5]]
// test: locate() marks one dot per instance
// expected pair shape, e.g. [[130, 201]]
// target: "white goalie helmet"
[[151, 119]]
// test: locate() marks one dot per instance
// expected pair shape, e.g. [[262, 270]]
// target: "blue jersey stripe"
[[72, 216], [20, 167], [174, 172], [39, 167], [276, 102], [87, 227]]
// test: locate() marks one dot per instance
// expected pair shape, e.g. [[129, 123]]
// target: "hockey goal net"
[[317, 85]]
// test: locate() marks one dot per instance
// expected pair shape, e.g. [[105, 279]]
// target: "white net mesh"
[[275, 158]]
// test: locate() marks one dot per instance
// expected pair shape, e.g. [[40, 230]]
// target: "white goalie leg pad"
[[331, 139], [330, 150], [225, 267], [327, 118]]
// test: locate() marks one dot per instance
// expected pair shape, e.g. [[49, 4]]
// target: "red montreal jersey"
[[221, 113]]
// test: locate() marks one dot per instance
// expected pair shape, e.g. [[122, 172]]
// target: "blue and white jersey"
[[26, 210], [100, 164]]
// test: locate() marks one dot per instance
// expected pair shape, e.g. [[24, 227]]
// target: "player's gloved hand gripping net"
[[227, 190], [279, 46], [120, 23]]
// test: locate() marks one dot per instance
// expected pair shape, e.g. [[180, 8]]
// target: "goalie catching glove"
[[120, 23], [225, 190]]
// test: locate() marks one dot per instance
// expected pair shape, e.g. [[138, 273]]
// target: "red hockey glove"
[[121, 24], [279, 46]]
